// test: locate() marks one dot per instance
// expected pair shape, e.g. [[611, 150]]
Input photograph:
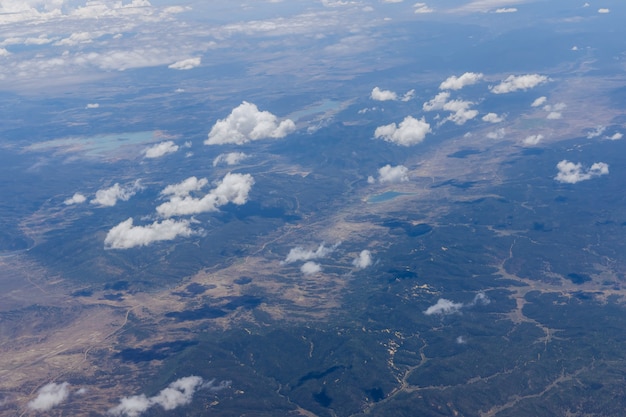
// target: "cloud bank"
[[247, 123], [571, 173]]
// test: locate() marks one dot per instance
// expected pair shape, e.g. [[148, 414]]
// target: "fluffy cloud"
[[383, 95], [492, 118], [554, 115], [233, 188], [444, 307], [310, 268], [108, 197], [460, 110], [616, 136], [456, 83], [389, 174], [49, 396], [186, 64], [185, 187], [571, 173], [363, 260], [160, 149], [422, 8], [179, 392], [300, 254], [532, 139], [246, 123], [411, 131], [518, 82], [232, 158], [539, 101], [77, 198], [126, 236]]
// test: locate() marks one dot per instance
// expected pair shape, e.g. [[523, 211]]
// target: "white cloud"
[[160, 149], [539, 101], [77, 198], [232, 158], [49, 396], [456, 83], [461, 112], [108, 197], [604, 11], [497, 134], [408, 95], [492, 118], [597, 131], [411, 131], [92, 106], [185, 187], [246, 123], [422, 8], [574, 48], [363, 260], [571, 173], [389, 174], [126, 236], [556, 107], [532, 139], [300, 254], [479, 299], [506, 10], [383, 95], [310, 268], [554, 115], [444, 307], [186, 64], [233, 188], [437, 102], [616, 136], [76, 38], [518, 82], [178, 393]]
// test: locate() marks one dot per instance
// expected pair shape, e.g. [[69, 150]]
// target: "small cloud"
[[497, 134], [77, 198], [186, 64], [532, 139], [604, 11], [125, 235], [92, 106], [422, 8], [479, 299], [461, 340], [460, 111], [574, 48], [232, 158], [539, 101], [444, 307], [571, 173], [49, 396], [597, 131], [178, 393], [389, 174], [160, 149], [456, 83], [408, 96], [108, 197], [437, 102], [233, 188], [310, 268], [300, 254], [518, 82], [185, 188], [411, 131], [492, 118], [383, 95], [506, 10], [616, 136], [363, 260], [246, 123], [554, 115], [557, 107]]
